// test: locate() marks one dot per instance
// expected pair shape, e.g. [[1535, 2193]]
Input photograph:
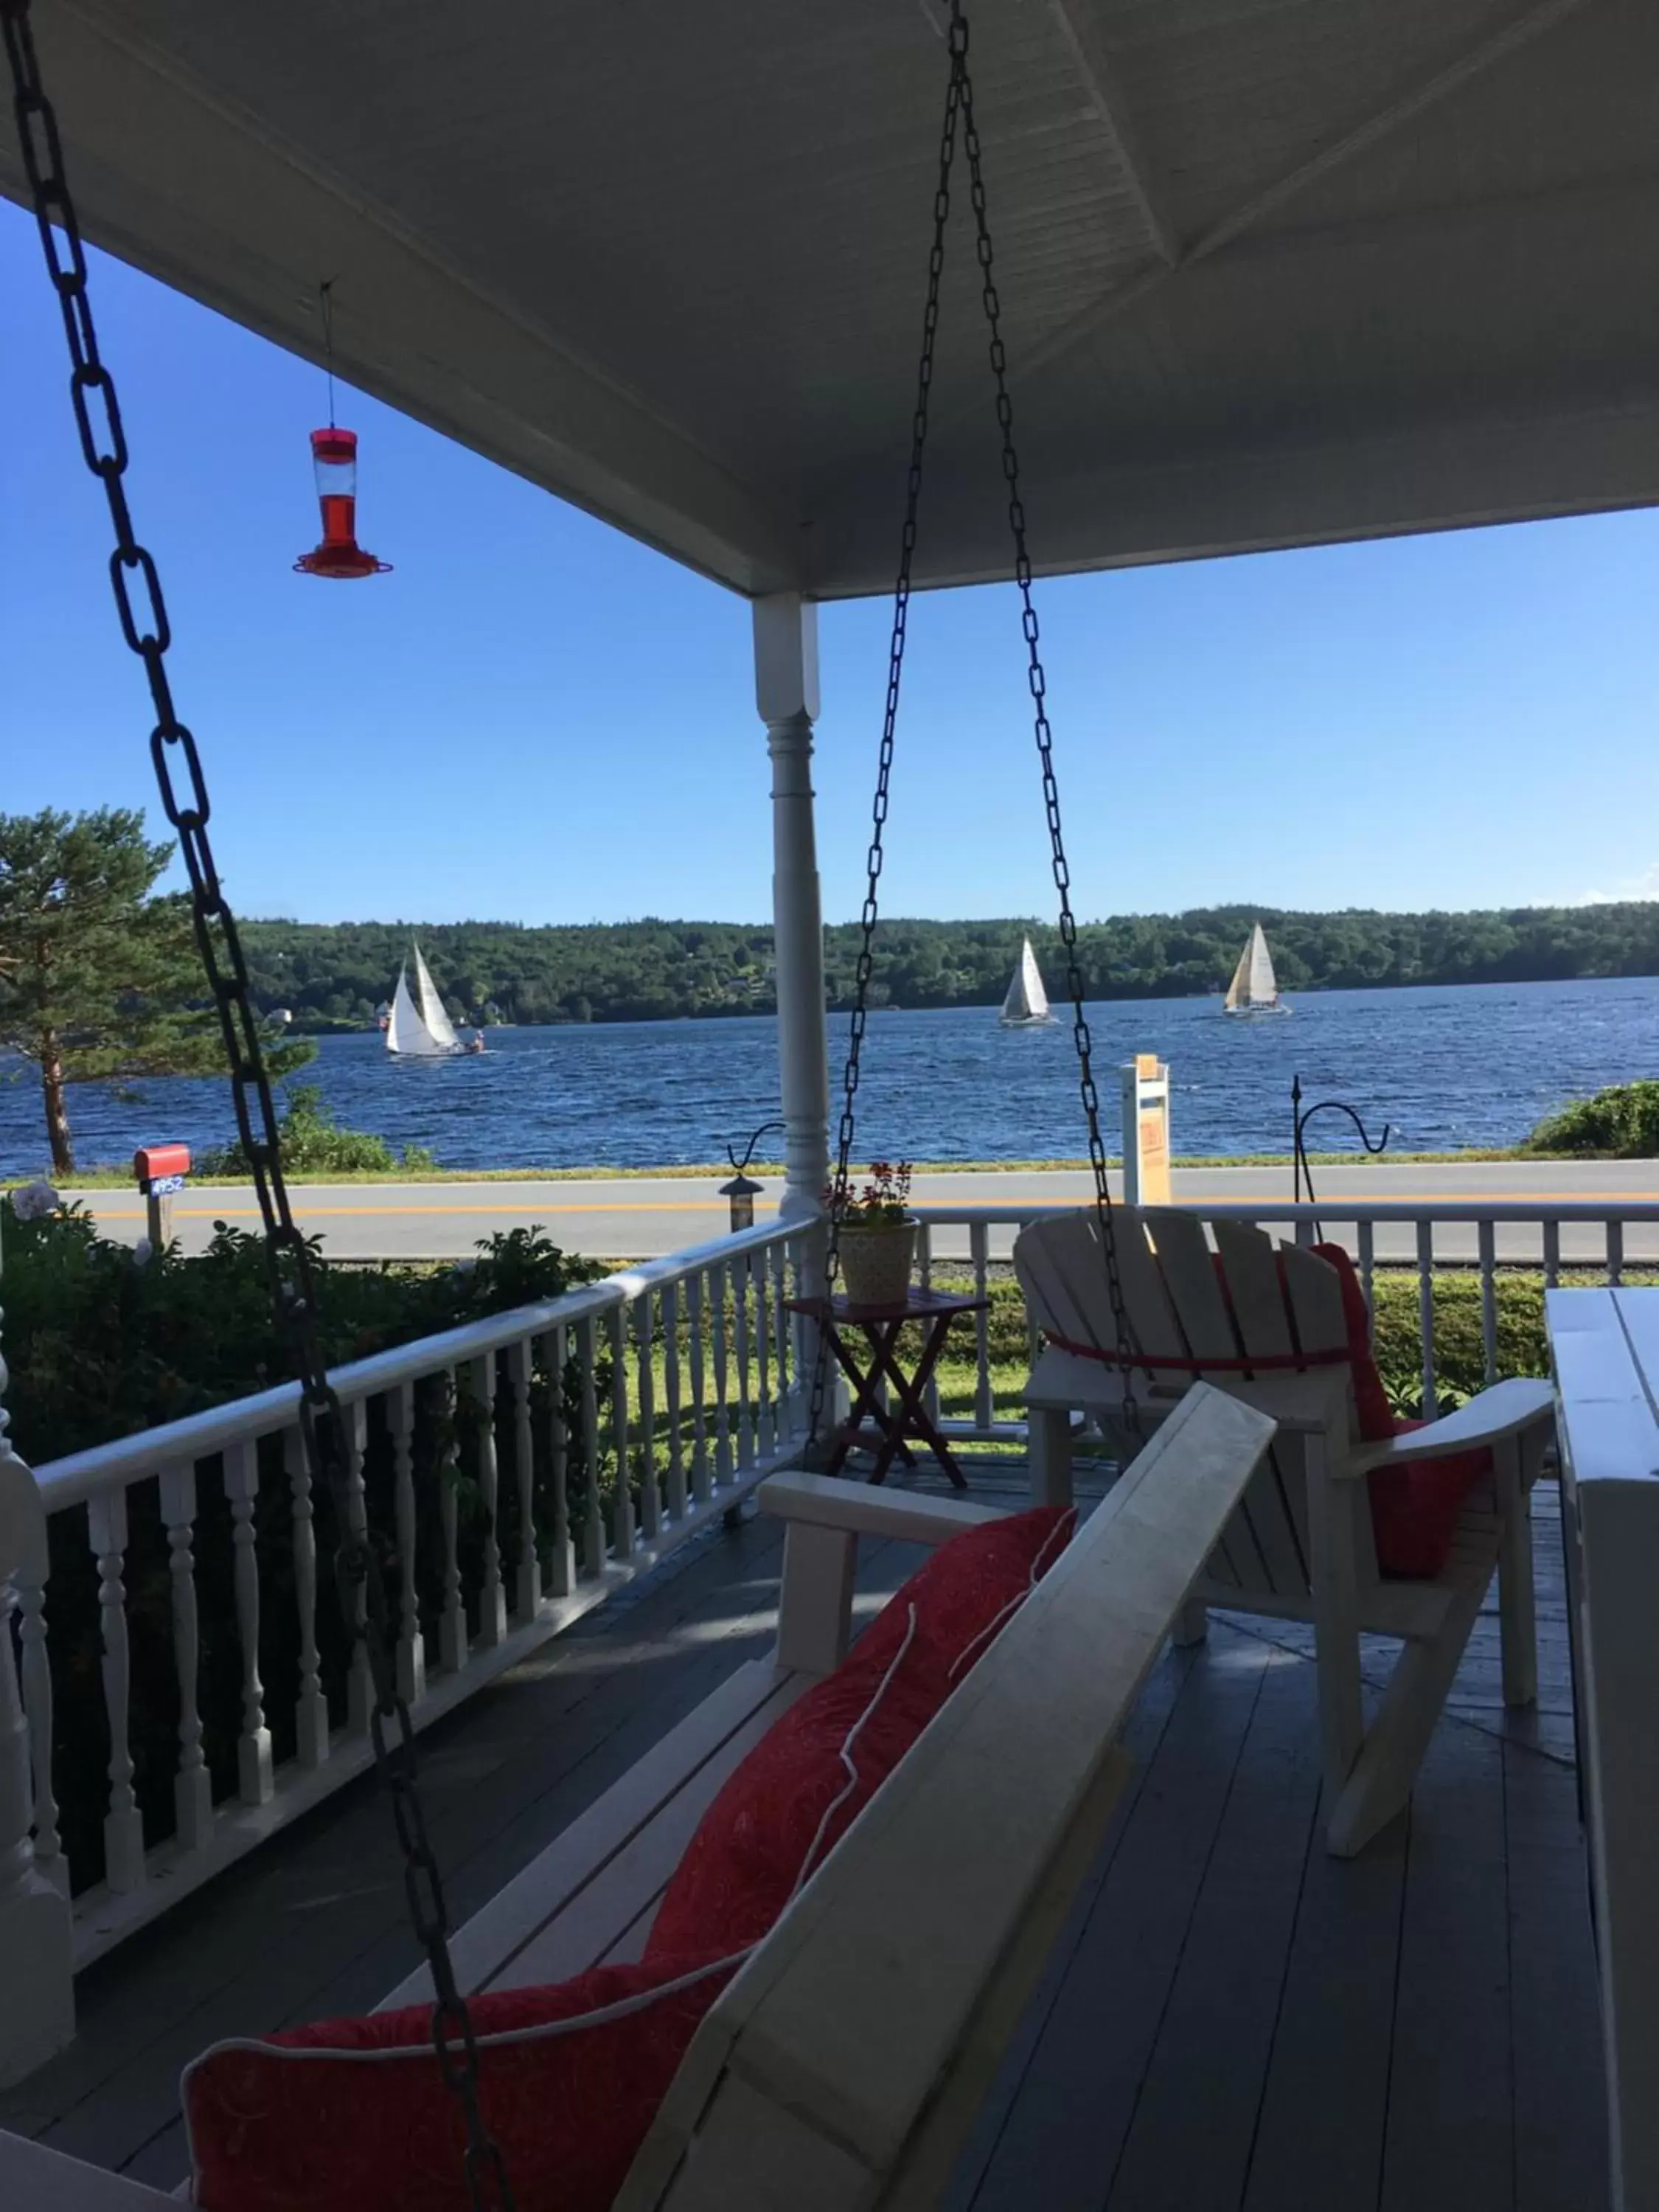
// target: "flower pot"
[[876, 1260]]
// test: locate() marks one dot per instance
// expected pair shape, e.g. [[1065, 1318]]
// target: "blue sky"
[[535, 720]]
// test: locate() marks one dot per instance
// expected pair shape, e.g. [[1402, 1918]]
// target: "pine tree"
[[99, 978]]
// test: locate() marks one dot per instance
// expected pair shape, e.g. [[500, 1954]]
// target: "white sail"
[[1254, 987], [419, 1031], [1264, 986], [438, 1022], [1027, 1000]]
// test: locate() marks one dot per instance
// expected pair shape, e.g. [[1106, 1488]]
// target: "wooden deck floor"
[[1233, 2022]]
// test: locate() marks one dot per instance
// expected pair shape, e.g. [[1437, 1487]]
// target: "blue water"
[[1471, 1065]]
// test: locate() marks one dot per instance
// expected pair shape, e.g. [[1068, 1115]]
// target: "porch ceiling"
[[1274, 272]]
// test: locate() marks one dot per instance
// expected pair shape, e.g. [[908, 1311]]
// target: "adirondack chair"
[[1266, 1323], [844, 2064]]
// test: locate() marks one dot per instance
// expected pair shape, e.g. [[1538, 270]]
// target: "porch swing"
[[1062, 1761]]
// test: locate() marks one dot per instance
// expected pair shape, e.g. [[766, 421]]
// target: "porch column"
[[786, 693]]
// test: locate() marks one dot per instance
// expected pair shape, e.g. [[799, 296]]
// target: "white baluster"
[[30, 1582], [311, 1707], [360, 1676], [492, 1599], [1367, 1272], [593, 1538], [622, 1510], [781, 1337], [717, 1345], [985, 1411], [1486, 1238], [700, 1474], [1552, 1254], [123, 1832], [671, 1368], [561, 1566], [527, 1589], [765, 1413], [253, 1745], [37, 2017], [650, 1495], [1615, 1253], [739, 1275], [192, 1786], [452, 1630], [1425, 1311], [411, 1644]]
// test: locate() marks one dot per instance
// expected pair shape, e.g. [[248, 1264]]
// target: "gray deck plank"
[[1078, 2102], [1561, 2151], [1212, 2052], [1449, 2145], [1324, 2105]]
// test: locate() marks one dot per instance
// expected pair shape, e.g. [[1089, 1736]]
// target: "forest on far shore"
[[336, 976]]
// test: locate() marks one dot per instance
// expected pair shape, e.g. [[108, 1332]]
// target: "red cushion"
[[270, 2133], [782, 1810], [1414, 1508], [274, 2133]]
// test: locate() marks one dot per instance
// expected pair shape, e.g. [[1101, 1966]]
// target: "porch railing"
[[1598, 1239], [524, 1467]]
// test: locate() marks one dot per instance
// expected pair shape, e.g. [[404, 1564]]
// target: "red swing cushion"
[[369, 2127], [1414, 1508]]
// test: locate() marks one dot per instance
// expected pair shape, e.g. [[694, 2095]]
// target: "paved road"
[[639, 1219]]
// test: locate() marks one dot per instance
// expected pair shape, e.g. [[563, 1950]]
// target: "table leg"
[[912, 1418]]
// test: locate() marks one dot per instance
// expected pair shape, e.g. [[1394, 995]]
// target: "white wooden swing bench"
[[1266, 1324], [843, 2067]]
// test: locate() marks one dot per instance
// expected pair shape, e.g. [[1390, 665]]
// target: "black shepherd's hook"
[[739, 1165], [1301, 1116]]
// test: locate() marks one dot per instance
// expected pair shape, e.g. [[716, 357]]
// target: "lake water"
[[1473, 1065]]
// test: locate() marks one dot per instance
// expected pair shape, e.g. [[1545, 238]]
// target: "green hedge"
[[1620, 1123]]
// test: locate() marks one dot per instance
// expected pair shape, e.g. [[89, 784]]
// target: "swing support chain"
[[329, 1456], [959, 115]]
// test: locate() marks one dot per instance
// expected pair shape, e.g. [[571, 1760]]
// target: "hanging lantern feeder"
[[334, 457]]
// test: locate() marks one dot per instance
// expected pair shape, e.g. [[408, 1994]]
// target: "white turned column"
[[124, 1831], [311, 1708], [193, 1785], [255, 1781], [38, 2015], [786, 693]]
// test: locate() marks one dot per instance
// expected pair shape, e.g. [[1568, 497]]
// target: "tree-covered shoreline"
[[334, 976]]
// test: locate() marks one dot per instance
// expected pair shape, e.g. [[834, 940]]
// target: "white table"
[[1605, 1346]]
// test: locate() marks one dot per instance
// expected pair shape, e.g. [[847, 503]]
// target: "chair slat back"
[[1266, 1299]]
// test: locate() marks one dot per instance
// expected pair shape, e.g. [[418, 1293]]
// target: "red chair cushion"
[[369, 2127], [1414, 1508], [791, 1798]]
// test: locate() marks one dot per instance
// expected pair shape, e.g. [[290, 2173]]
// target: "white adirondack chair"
[[1300, 1548]]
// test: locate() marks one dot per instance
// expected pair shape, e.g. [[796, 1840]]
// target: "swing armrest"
[[827, 1501], [1506, 1410]]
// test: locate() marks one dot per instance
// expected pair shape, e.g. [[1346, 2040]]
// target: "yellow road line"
[[1332, 1203]]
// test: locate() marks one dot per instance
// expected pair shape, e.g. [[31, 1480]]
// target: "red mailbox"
[[151, 1163]]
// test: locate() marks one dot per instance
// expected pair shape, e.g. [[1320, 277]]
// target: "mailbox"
[[161, 1170], [162, 1165]]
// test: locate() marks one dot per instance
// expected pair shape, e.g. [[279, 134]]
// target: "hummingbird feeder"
[[334, 457]]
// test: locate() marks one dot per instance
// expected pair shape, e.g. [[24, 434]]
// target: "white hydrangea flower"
[[33, 1201]]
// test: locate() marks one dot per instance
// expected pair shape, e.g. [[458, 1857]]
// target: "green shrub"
[[1620, 1123], [314, 1143]]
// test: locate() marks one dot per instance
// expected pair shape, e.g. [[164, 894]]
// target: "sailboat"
[[1026, 1005], [419, 1029], [1254, 987]]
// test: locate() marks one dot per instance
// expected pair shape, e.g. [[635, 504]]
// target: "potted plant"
[[878, 1237]]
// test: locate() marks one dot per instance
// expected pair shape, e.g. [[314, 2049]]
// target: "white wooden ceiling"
[[1273, 272]]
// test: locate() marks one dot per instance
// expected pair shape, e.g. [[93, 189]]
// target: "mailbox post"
[[161, 1170], [1147, 1131]]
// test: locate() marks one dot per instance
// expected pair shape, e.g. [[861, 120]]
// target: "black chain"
[[890, 719], [1038, 682], [328, 1453], [959, 109]]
